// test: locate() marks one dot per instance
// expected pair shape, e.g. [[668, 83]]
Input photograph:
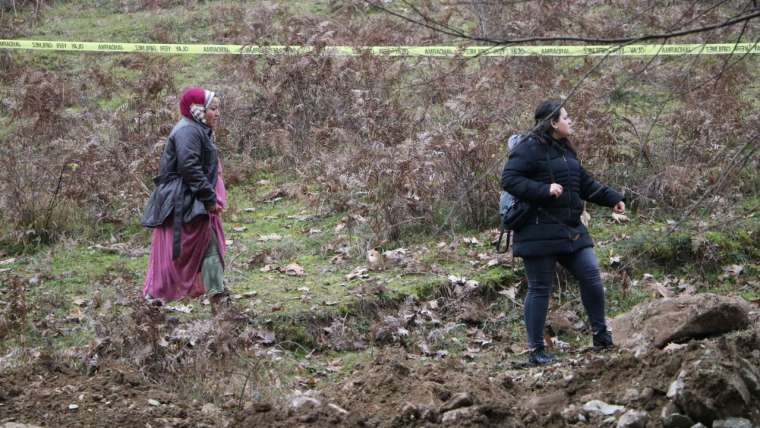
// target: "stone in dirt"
[[657, 323], [670, 417], [633, 419], [600, 407], [732, 423], [459, 400], [304, 401], [554, 399], [18, 425], [459, 416], [716, 388]]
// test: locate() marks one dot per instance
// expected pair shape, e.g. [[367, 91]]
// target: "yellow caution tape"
[[411, 51]]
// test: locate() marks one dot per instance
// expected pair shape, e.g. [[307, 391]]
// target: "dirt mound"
[[399, 389], [56, 395]]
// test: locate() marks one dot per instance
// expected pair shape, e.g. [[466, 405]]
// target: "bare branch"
[[434, 25]]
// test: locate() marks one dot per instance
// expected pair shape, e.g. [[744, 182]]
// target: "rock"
[[672, 419], [554, 399], [563, 321], [409, 413], [571, 414], [299, 401], [430, 415], [602, 408], [633, 419], [677, 386], [631, 396], [732, 423], [714, 388], [458, 416], [211, 410], [655, 324], [309, 417], [18, 425], [458, 400], [339, 410]]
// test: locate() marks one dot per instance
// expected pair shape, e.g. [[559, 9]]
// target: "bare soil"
[[397, 388]]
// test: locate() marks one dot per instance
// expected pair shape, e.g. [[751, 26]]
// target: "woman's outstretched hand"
[[556, 190], [215, 209], [619, 208]]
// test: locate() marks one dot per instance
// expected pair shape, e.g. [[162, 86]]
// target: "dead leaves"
[[619, 218], [292, 269], [666, 288]]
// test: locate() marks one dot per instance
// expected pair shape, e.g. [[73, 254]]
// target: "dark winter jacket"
[[186, 180], [555, 227]]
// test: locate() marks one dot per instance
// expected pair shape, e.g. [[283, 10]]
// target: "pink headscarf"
[[194, 102]]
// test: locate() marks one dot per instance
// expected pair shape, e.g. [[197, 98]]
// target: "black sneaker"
[[539, 357], [602, 341]]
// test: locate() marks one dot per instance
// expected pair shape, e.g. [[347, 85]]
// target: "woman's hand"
[[619, 208], [556, 190], [215, 209]]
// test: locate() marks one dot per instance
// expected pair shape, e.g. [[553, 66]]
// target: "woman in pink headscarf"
[[184, 210]]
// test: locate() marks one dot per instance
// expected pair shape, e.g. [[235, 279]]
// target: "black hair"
[[546, 112]]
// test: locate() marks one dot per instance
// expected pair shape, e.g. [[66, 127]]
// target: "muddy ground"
[[146, 368]]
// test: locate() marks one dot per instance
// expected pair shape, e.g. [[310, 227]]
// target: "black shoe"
[[602, 341], [539, 357]]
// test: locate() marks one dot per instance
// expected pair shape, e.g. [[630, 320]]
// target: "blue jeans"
[[540, 270]]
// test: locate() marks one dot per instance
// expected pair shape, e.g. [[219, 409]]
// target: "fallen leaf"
[[359, 272], [510, 292], [672, 347], [457, 280], [619, 218], [294, 269], [733, 270], [660, 289], [180, 308], [270, 237], [375, 259], [471, 241]]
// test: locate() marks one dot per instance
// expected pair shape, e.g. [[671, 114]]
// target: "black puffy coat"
[[187, 178], [555, 227]]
